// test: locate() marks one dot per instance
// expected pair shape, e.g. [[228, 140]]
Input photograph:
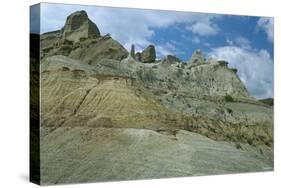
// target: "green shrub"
[[180, 72], [238, 146], [81, 39], [228, 98], [234, 70], [250, 141], [223, 63], [229, 110]]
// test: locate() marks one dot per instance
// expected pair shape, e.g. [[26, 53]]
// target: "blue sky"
[[246, 42]]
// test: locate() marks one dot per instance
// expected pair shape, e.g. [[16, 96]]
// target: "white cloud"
[[242, 42], [137, 26], [229, 42], [207, 44], [203, 28], [167, 49], [195, 40], [255, 68], [266, 24], [239, 41], [129, 26]]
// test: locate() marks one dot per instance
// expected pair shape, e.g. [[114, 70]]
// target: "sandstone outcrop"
[[197, 57], [93, 50], [132, 52], [171, 59], [138, 56], [148, 55], [80, 39], [79, 26]]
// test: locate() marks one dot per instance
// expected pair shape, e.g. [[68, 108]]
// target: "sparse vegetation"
[[223, 63], [146, 75], [250, 141], [82, 39], [229, 110], [183, 65], [234, 70], [269, 101], [65, 69], [238, 146], [228, 98], [179, 72], [107, 35]]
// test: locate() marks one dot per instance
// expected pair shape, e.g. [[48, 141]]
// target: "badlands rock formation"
[[148, 55], [110, 115], [197, 57], [79, 26]]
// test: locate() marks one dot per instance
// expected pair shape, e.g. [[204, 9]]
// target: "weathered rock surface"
[[138, 56], [48, 40], [118, 98], [131, 117], [171, 59], [197, 57], [87, 51], [79, 26], [148, 55], [268, 101], [122, 94], [93, 50], [132, 52], [105, 154], [80, 39]]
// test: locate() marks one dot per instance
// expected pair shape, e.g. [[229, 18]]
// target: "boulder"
[[78, 25], [148, 54]]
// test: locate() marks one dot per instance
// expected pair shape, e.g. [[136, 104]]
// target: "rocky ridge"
[[91, 83]]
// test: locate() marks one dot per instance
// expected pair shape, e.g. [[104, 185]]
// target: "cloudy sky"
[[245, 42]]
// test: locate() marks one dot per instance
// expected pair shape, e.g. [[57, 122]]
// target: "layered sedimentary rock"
[[148, 55], [80, 39], [78, 26], [93, 50], [120, 111], [128, 154]]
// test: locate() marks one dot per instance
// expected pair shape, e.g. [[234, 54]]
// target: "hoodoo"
[[78, 26]]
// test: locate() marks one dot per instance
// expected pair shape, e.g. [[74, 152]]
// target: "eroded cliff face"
[[80, 39], [132, 95], [94, 92], [78, 26]]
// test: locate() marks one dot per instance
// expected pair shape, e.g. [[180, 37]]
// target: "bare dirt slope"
[[108, 154]]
